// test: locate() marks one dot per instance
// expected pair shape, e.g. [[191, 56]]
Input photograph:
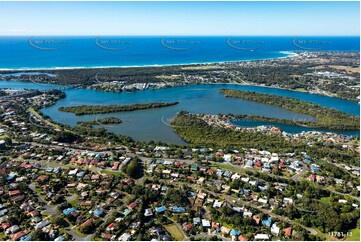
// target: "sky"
[[180, 18]]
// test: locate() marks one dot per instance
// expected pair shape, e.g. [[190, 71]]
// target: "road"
[[52, 210], [186, 238], [295, 177], [204, 236], [344, 194], [300, 174], [231, 200], [33, 111]]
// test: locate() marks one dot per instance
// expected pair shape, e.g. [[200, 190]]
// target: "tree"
[[59, 220], [39, 235], [135, 168]]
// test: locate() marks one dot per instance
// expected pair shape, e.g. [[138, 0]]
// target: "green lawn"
[[355, 235], [227, 167], [73, 203], [45, 213], [4, 136], [174, 231], [3, 237], [115, 173]]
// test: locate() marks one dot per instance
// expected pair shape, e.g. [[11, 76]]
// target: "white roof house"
[[206, 223], [275, 229], [261, 200], [73, 172], [235, 176], [124, 237], [217, 204], [288, 200], [227, 158], [247, 214], [148, 212], [261, 237]]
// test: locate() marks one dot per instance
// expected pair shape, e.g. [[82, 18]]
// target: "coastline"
[[289, 54]]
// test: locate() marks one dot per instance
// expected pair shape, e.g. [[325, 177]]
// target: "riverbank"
[[217, 131], [325, 117]]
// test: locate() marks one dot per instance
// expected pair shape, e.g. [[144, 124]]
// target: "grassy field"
[[174, 231], [205, 67], [355, 235], [114, 173], [73, 203], [165, 77], [227, 167], [4, 136]]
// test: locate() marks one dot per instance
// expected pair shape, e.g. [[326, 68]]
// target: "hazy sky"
[[179, 18]]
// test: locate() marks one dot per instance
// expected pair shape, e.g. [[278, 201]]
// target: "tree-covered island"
[[114, 108]]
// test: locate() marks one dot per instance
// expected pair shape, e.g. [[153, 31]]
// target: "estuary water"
[[147, 125]]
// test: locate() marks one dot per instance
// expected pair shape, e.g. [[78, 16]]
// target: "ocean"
[[49, 52]]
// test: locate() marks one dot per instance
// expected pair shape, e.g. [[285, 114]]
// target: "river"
[[146, 125]]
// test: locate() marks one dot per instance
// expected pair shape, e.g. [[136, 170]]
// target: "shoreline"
[[289, 54], [230, 83]]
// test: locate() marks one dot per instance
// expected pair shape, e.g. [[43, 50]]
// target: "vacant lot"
[[174, 231]]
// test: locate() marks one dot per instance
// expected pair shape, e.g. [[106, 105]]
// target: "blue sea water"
[[91, 51]]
